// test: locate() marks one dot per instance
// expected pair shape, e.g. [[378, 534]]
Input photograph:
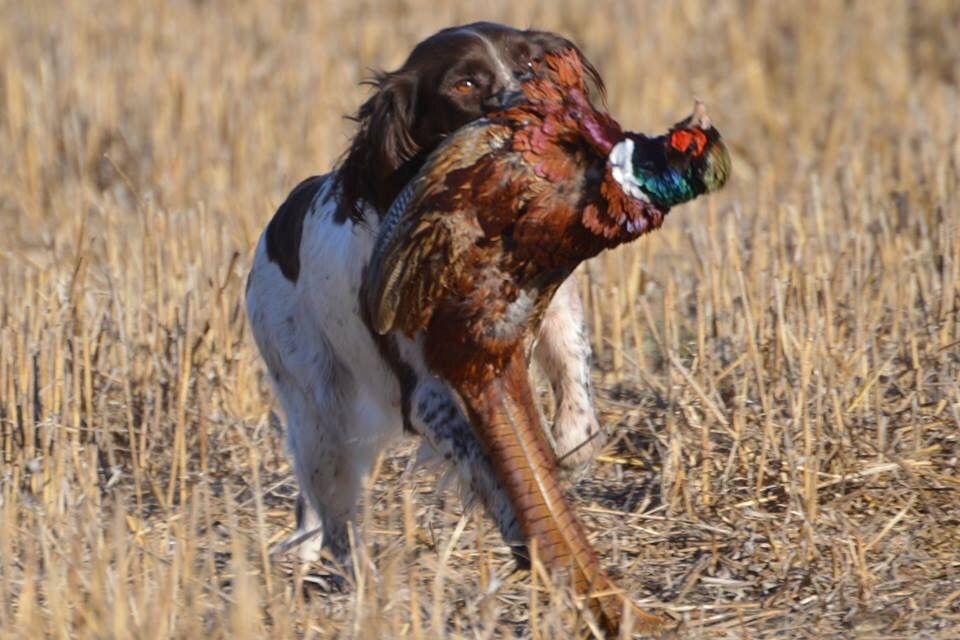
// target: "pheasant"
[[473, 249]]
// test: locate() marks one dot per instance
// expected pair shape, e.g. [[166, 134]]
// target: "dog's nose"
[[505, 98], [522, 75]]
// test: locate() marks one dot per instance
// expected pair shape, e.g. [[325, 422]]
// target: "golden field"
[[779, 367]]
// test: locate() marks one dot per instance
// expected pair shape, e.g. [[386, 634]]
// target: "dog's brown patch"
[[286, 227]]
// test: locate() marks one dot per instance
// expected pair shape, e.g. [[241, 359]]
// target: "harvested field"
[[779, 367]]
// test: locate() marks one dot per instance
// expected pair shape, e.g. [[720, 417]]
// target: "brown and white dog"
[[347, 392]]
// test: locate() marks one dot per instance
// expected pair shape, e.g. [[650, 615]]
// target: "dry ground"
[[779, 365]]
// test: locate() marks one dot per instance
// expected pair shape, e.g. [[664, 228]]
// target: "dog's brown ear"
[[387, 119], [383, 142]]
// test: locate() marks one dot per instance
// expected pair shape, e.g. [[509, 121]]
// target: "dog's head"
[[453, 77]]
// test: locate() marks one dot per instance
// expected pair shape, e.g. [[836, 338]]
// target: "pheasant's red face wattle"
[[689, 141]]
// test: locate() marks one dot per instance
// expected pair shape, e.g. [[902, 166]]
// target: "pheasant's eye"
[[465, 86], [689, 141]]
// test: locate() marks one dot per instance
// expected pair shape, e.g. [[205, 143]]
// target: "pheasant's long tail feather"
[[507, 423]]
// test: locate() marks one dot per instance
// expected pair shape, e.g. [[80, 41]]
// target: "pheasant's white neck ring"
[[621, 166]]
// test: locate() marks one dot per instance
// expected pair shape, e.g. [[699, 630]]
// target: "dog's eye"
[[465, 86]]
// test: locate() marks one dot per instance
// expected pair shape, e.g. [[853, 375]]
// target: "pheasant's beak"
[[700, 117]]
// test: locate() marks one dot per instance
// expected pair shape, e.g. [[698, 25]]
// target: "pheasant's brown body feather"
[[497, 217]]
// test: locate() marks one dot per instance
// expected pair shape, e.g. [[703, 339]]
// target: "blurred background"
[[778, 366], [231, 103]]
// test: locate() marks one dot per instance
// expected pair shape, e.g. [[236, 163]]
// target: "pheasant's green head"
[[688, 161]]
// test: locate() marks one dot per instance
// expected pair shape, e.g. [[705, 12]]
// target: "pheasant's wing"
[[430, 224]]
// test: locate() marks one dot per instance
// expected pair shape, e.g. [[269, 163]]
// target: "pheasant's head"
[[690, 160]]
